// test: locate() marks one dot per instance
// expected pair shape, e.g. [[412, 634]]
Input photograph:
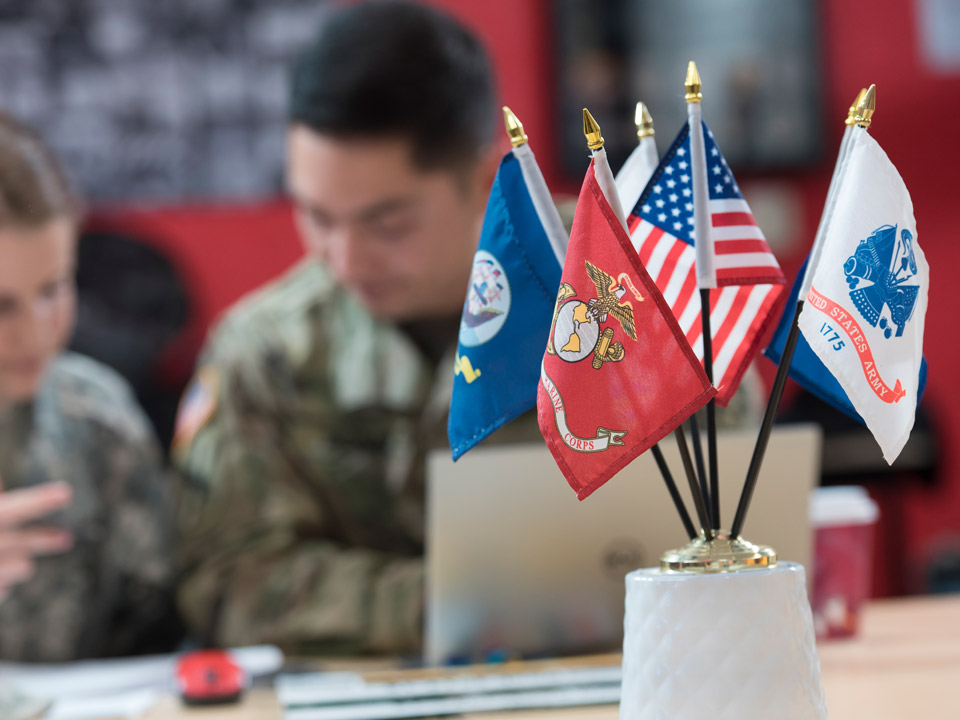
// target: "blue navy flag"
[[509, 305], [808, 370]]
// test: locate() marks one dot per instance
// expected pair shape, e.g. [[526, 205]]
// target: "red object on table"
[[209, 677]]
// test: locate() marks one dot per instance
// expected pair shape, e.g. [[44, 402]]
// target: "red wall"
[[518, 35], [221, 252]]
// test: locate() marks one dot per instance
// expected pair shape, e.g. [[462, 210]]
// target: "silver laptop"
[[517, 566]]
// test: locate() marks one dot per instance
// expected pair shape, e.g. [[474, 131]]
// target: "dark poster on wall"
[[759, 62], [157, 101]]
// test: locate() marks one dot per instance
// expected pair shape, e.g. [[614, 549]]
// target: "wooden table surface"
[[904, 664]]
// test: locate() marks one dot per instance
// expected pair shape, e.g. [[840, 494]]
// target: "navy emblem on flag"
[[488, 301]]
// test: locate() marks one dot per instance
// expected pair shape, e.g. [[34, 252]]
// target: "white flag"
[[636, 172], [865, 311]]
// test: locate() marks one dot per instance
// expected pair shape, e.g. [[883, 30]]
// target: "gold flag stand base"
[[718, 555]]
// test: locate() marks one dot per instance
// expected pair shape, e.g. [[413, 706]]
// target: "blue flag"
[[509, 306], [808, 370]]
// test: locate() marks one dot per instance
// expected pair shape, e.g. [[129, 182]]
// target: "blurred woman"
[[85, 512]]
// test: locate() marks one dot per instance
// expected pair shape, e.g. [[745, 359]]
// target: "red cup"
[[843, 520]]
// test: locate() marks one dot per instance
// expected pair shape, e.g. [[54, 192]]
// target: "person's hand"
[[20, 545]]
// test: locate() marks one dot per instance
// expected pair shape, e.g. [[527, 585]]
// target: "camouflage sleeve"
[[138, 552], [256, 557]]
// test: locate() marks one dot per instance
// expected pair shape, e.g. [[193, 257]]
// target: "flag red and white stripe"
[[749, 278]]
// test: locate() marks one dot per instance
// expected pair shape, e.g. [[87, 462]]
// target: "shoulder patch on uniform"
[[198, 405]]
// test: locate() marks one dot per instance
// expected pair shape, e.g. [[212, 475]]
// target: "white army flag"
[[864, 314]]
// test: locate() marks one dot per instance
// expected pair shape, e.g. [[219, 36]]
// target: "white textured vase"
[[724, 646]]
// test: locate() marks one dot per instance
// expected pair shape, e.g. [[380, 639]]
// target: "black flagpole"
[[698, 457], [711, 409], [773, 405], [692, 480], [674, 492]]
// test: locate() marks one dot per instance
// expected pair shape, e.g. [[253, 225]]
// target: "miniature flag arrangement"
[[622, 335]]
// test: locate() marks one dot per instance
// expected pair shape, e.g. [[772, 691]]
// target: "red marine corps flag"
[[618, 373]]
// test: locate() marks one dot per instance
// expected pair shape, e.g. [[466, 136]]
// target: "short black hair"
[[384, 69]]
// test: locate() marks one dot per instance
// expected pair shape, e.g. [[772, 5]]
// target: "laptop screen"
[[517, 566]]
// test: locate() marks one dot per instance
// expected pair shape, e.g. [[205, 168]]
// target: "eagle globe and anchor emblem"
[[577, 334]]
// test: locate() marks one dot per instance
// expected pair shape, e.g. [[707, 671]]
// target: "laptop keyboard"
[[340, 696]]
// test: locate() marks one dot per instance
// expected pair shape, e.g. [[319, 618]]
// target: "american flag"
[[749, 278]]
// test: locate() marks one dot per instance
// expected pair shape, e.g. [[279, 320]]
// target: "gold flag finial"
[[852, 112], [514, 128], [591, 131], [692, 84], [643, 121], [866, 107]]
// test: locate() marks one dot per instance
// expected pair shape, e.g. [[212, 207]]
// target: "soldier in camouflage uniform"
[[109, 593], [301, 442], [85, 511]]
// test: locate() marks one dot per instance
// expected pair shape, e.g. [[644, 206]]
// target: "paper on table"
[[128, 704], [16, 705], [108, 677], [118, 688]]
